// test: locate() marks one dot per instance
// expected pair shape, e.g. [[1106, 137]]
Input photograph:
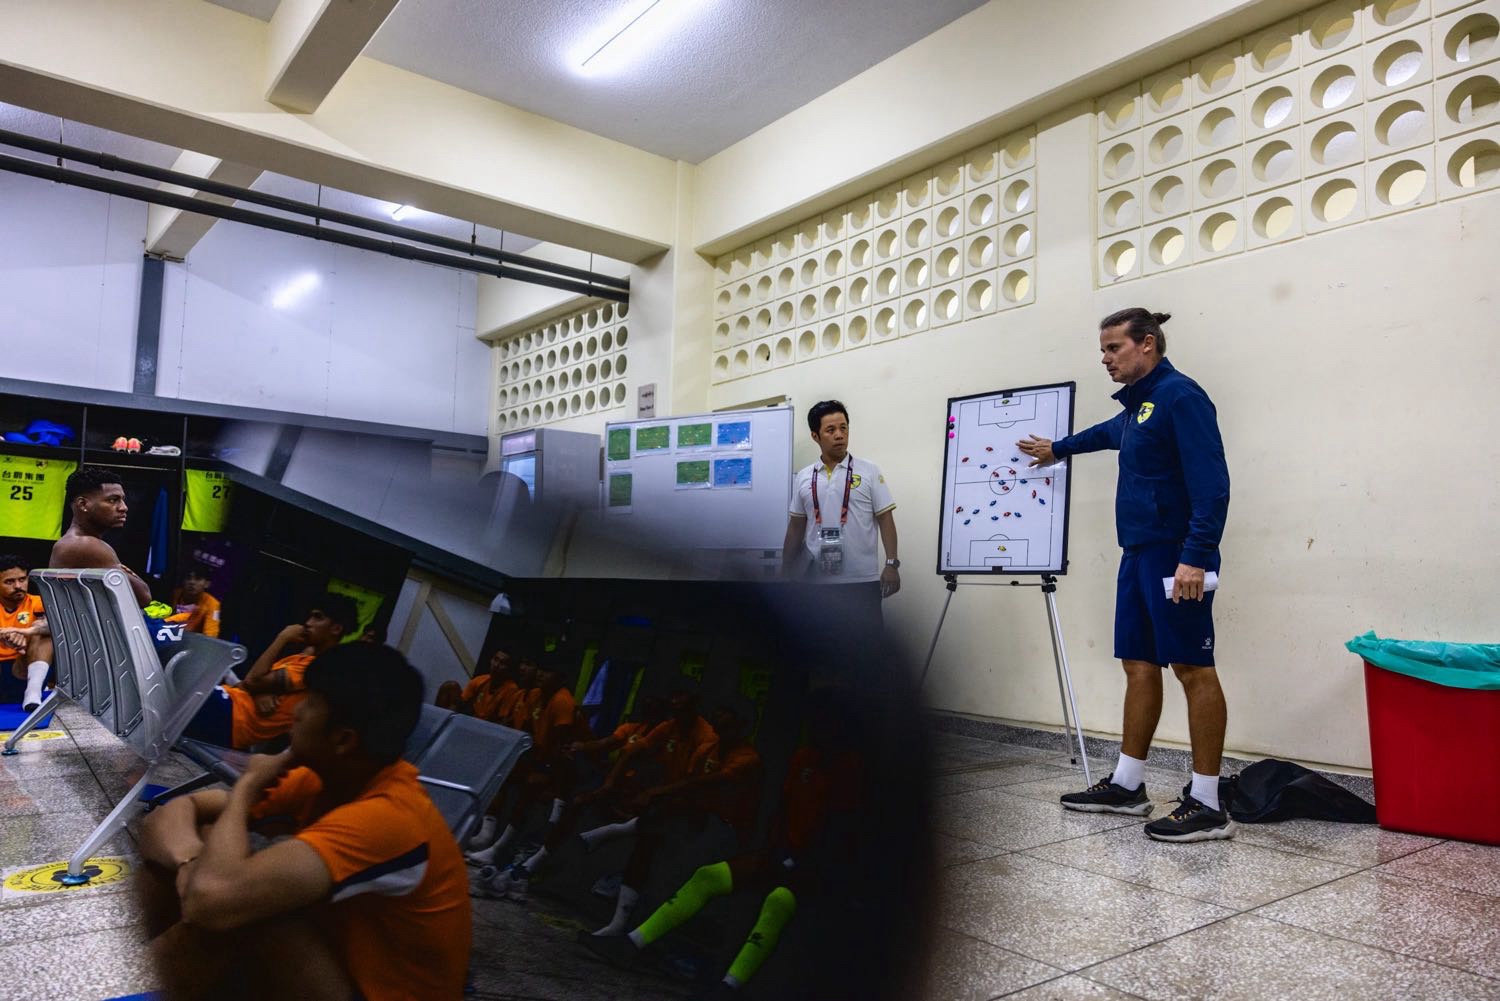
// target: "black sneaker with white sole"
[[1106, 797], [1192, 821]]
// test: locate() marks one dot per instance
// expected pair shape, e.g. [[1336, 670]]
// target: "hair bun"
[[1161, 318]]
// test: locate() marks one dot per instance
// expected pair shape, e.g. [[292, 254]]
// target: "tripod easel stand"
[[1072, 729]]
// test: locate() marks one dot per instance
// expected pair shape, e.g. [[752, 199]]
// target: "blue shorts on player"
[[1148, 626]]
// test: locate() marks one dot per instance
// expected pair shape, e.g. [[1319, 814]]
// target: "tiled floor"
[[1038, 903], [86, 943], [527, 951], [91, 940]]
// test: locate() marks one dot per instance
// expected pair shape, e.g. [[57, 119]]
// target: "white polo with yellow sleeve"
[[859, 535]]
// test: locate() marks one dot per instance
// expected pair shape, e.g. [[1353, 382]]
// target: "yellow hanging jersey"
[[31, 496], [205, 500]]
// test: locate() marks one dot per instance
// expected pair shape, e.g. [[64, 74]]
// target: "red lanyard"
[[848, 485]]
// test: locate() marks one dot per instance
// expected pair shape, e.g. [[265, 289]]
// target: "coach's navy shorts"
[[1148, 626]]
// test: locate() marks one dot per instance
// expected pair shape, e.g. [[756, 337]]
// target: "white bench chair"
[[104, 661]]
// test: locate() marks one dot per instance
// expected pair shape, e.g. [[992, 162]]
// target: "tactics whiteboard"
[[998, 516], [716, 482]]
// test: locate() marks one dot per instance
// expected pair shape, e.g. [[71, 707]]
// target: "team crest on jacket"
[[1144, 414], [858, 479]]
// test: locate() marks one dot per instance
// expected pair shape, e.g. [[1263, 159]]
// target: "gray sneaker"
[[1192, 821]]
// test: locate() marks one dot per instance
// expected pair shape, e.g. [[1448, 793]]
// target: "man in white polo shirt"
[[839, 504]]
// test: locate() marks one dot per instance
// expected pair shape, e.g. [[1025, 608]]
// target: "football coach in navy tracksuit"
[[1170, 506]]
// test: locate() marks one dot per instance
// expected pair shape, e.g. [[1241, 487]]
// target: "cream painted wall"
[[670, 307], [989, 72], [506, 306], [1354, 374]]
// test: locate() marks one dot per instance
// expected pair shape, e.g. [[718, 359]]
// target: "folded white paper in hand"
[[1210, 583]]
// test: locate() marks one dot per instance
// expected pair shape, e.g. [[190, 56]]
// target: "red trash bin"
[[1435, 752]]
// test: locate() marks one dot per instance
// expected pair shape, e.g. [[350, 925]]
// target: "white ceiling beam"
[[312, 44], [170, 232], [190, 74]]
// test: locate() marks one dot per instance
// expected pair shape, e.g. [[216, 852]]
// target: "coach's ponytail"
[[1138, 323]]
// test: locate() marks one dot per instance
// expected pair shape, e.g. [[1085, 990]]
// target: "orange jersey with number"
[[202, 616], [629, 734], [491, 704], [551, 720], [24, 617], [525, 701], [677, 749], [399, 907], [736, 797], [816, 785], [249, 726]]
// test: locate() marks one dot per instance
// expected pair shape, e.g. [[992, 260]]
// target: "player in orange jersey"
[[367, 898], [261, 707], [25, 644]]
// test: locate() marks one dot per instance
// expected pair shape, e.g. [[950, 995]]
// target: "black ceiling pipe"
[[108, 161], [233, 213]]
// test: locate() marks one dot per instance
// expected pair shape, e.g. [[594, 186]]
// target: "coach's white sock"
[[609, 832], [1129, 772], [624, 904], [557, 810], [1206, 790], [537, 858], [36, 673]]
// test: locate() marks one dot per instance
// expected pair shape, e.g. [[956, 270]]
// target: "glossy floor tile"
[[1059, 915], [1304, 909], [966, 969], [995, 817], [1220, 872], [1251, 957], [1428, 921], [1475, 868]]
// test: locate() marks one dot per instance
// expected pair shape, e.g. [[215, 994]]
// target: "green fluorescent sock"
[[707, 882], [778, 909]]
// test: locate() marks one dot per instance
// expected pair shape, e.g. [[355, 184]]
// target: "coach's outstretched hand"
[[1040, 450]]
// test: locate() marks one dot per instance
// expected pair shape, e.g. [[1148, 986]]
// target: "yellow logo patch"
[[23, 618], [48, 878], [35, 735], [1144, 414], [858, 479]]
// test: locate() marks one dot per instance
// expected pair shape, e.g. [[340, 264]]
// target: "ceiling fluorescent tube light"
[[401, 212], [632, 32]]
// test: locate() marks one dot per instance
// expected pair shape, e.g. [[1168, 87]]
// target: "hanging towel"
[[156, 556]]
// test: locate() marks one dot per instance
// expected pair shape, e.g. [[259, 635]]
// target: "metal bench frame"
[[104, 661], [462, 761]]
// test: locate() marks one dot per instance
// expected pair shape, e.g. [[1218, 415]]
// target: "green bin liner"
[[1475, 666]]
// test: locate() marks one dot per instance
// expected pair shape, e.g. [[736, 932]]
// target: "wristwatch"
[[893, 564]]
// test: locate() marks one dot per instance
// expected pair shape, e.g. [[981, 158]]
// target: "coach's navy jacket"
[[1174, 482]]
